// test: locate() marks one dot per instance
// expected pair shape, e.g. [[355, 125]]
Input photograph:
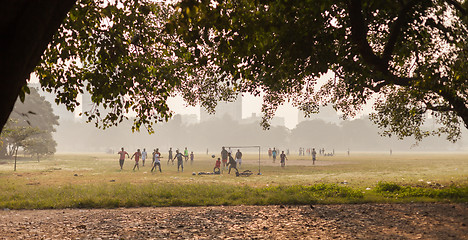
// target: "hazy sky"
[[250, 104]]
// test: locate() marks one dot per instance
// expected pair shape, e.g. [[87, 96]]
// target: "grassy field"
[[95, 180]]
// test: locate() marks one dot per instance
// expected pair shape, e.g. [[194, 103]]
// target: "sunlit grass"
[[95, 180]]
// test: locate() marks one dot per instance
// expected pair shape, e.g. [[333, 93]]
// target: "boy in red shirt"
[[137, 156], [122, 157], [217, 166]]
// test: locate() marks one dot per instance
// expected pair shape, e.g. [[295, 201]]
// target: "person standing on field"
[[180, 160], [191, 158], [156, 160], [170, 157], [143, 156], [137, 156], [273, 153], [269, 152], [239, 158], [186, 154], [122, 157], [283, 159], [314, 154], [224, 157]]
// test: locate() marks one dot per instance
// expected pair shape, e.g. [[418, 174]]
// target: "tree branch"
[[359, 36], [395, 31], [458, 6]]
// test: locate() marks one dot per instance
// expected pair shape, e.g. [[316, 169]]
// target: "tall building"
[[275, 122], [327, 114], [232, 110]]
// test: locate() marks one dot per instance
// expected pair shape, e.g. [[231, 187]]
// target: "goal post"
[[259, 150]]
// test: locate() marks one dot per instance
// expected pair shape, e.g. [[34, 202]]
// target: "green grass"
[[95, 181]]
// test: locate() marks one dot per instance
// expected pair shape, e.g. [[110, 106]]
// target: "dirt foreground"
[[360, 221]]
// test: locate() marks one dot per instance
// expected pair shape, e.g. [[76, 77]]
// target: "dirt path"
[[360, 221]]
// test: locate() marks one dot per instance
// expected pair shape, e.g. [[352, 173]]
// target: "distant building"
[[327, 114], [189, 119], [232, 109], [276, 121]]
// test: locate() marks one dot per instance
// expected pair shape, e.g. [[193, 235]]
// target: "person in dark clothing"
[[232, 164], [180, 160], [239, 158], [170, 157], [224, 157], [283, 159]]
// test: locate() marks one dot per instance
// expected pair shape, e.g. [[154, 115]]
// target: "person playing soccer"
[[239, 158], [156, 160], [170, 157], [232, 164], [217, 166], [283, 159], [314, 154], [180, 160], [191, 158], [137, 156], [122, 157], [224, 157], [273, 153], [186, 154], [143, 156]]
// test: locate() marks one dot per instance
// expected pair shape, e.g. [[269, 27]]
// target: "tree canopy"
[[30, 127], [409, 55]]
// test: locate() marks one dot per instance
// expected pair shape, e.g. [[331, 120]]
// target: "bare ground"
[[348, 221]]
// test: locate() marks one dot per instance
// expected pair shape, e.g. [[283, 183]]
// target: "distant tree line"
[[357, 135]]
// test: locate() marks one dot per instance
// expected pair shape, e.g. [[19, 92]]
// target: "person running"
[[191, 158], [170, 157], [143, 156], [186, 154], [217, 166], [239, 158], [180, 160], [314, 154], [232, 164], [224, 157], [283, 159], [273, 153], [122, 157], [137, 156], [156, 160]]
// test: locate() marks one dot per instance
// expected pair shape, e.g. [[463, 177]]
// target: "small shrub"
[[387, 187]]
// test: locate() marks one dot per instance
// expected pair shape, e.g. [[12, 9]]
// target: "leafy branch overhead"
[[408, 56]]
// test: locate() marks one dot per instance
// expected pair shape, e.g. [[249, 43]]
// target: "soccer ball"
[[213, 156]]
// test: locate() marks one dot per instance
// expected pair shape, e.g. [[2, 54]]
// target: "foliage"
[[131, 55], [114, 51], [411, 55], [165, 194], [394, 190], [14, 136], [30, 127]]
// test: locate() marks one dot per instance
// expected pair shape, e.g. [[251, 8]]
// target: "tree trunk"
[[26, 28], [16, 154]]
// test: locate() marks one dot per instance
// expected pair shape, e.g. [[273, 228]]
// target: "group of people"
[[156, 158], [273, 153], [232, 163]]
